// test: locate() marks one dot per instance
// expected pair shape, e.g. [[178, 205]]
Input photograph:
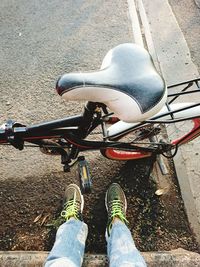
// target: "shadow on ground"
[[156, 223]]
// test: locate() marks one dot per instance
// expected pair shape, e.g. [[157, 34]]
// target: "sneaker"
[[74, 203], [116, 205]]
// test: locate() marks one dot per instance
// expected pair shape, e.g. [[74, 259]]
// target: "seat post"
[[88, 115]]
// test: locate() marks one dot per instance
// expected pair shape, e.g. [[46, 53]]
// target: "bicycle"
[[129, 105]]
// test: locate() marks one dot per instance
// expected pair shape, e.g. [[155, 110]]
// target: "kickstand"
[[162, 165]]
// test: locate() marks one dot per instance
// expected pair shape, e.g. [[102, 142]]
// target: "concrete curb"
[[176, 65], [174, 258], [167, 45], [197, 3]]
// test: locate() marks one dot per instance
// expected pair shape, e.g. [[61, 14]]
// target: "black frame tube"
[[66, 122]]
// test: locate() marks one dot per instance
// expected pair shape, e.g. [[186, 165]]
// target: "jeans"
[[68, 249]]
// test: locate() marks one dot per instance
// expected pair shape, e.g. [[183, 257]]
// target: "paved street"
[[39, 41]]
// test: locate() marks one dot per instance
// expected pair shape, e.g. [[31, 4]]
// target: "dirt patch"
[[156, 222]]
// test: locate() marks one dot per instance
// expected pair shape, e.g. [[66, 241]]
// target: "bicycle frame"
[[75, 129]]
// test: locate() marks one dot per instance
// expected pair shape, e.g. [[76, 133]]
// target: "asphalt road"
[[39, 41]]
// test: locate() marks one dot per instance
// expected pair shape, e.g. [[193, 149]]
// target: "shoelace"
[[70, 210], [116, 210]]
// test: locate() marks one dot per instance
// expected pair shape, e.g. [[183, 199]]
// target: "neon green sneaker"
[[116, 205], [74, 203]]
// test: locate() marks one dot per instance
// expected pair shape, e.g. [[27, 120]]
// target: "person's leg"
[[69, 246], [121, 249]]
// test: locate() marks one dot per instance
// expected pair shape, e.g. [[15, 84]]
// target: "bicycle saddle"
[[127, 83]]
